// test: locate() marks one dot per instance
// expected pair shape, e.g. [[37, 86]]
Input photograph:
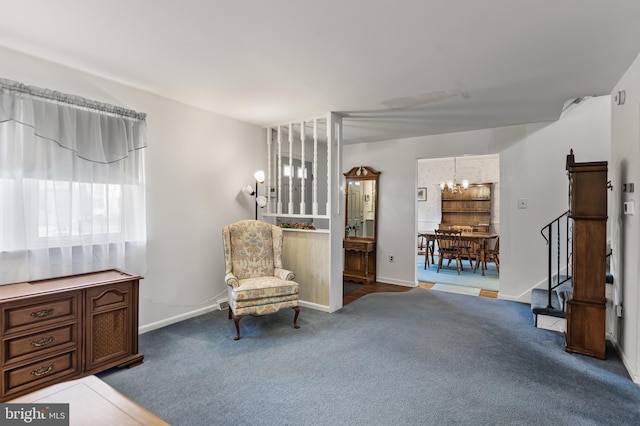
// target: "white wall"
[[196, 164], [625, 229], [532, 166]]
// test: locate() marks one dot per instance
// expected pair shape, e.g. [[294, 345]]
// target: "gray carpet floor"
[[420, 357]]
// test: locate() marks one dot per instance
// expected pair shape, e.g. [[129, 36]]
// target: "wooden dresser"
[[64, 328]]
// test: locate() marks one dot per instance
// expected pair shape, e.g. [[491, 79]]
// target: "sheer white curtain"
[[72, 185]]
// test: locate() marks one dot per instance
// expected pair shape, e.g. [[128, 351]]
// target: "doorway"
[[475, 169]]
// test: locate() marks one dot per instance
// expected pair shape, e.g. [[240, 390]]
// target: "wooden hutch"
[[468, 208]]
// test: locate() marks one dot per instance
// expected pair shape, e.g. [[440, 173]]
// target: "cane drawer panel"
[[40, 313], [40, 343], [41, 371]]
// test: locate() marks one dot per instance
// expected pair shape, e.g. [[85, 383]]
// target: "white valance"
[[96, 132]]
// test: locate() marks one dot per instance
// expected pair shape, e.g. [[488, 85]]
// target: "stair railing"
[[558, 236]]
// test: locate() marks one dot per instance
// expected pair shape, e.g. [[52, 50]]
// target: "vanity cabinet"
[[361, 225], [359, 261], [64, 328]]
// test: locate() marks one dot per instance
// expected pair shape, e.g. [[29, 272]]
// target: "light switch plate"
[[629, 207]]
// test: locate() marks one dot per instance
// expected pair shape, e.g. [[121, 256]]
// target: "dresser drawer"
[[40, 372], [40, 343], [365, 246], [40, 313]]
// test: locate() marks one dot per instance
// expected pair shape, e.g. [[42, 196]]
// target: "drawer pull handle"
[[42, 313], [42, 370], [42, 342]]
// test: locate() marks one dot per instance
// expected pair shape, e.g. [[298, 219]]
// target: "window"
[[72, 186]]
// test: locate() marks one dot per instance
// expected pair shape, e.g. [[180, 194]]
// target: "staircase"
[[549, 305]]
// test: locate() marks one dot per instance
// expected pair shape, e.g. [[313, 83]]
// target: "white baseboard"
[[510, 298], [207, 309], [178, 318], [386, 280], [316, 306], [632, 373]]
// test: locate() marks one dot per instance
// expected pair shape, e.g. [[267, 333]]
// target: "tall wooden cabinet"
[[64, 328], [588, 209], [361, 225], [469, 208]]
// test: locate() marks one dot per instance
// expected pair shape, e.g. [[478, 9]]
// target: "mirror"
[[361, 203]]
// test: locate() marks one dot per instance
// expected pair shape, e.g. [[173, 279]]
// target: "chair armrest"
[[284, 274], [231, 280]]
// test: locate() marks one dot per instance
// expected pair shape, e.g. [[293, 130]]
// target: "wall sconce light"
[[259, 200]]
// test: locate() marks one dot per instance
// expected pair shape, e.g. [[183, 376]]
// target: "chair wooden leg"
[[229, 309], [295, 317], [236, 320]]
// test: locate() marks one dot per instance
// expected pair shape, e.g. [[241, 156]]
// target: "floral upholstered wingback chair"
[[257, 283]]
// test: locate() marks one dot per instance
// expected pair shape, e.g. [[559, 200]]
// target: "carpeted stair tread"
[[565, 286], [540, 301]]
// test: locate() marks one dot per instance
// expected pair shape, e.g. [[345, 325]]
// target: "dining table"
[[480, 238]]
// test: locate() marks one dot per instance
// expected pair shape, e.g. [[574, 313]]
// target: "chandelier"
[[452, 185]]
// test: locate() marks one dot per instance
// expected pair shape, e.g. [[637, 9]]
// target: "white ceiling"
[[394, 68]]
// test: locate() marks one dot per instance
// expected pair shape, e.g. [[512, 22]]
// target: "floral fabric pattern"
[[252, 253], [258, 288]]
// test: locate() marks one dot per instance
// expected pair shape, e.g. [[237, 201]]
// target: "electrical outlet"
[[390, 258]]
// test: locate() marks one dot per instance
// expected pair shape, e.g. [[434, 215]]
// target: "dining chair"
[[449, 247], [469, 250], [491, 254], [426, 248], [422, 248]]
